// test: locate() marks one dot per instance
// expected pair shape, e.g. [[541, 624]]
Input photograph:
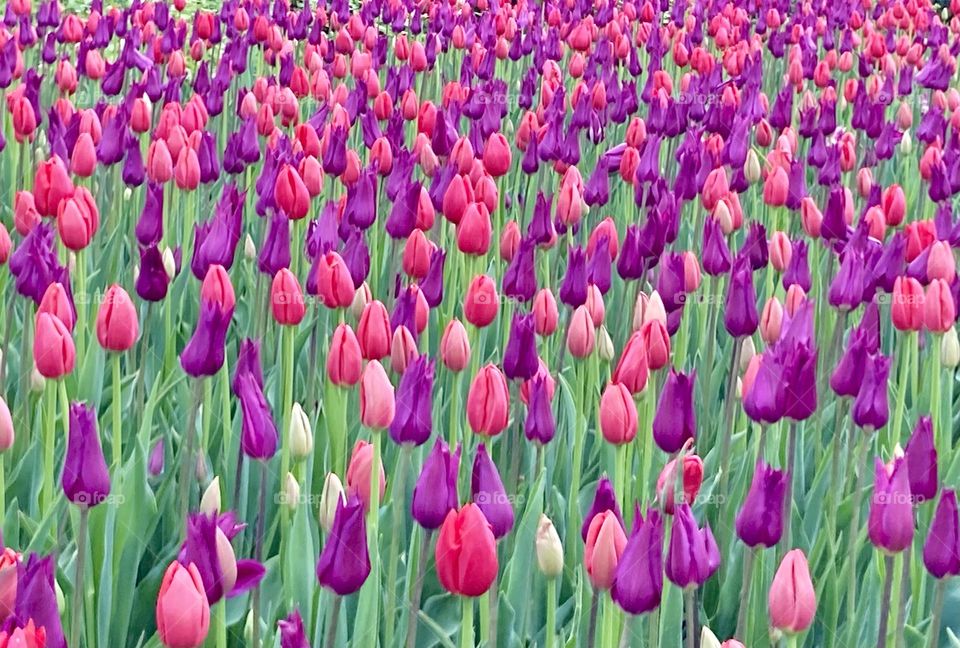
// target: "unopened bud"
[[332, 495], [751, 167], [549, 549], [747, 351], [210, 502], [291, 491], [249, 248], [169, 263], [605, 344], [301, 435], [37, 381], [950, 349]]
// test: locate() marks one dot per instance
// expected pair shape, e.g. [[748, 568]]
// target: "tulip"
[[435, 493], [9, 568], [891, 510], [939, 310], [618, 414], [941, 551], [332, 279], [51, 185], [374, 331], [760, 520], [693, 555], [691, 480], [907, 304], [638, 581], [604, 546], [455, 346], [632, 369], [210, 500], [870, 408], [792, 602], [481, 302], [675, 421], [377, 404], [488, 402], [740, 308], [117, 323], [487, 491], [545, 312], [950, 349], [59, 303], [581, 334], [921, 457], [208, 549], [548, 548], [539, 425], [345, 562], [344, 359], [520, 355], [6, 427], [286, 299], [412, 423], [54, 354], [183, 613], [291, 631], [331, 498], [358, 473], [291, 193], [258, 435], [300, 434], [604, 499], [85, 479], [466, 553]]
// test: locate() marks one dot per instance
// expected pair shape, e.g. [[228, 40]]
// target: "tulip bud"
[[37, 381], [792, 601], [6, 427], [291, 491], [249, 248], [747, 351], [169, 262], [301, 434], [549, 549], [210, 502], [751, 167], [331, 497], [708, 639], [906, 144], [455, 346], [605, 345], [950, 349]]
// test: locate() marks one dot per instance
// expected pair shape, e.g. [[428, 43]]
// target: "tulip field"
[[456, 323]]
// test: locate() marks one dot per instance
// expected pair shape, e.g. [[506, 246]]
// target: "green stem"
[[117, 414], [904, 596], [49, 445], [187, 451], [653, 629], [885, 601], [220, 619], [550, 631], [466, 624], [853, 536], [749, 557], [933, 633], [79, 591], [689, 601], [334, 621], [399, 498], [727, 431], [258, 551], [422, 561]]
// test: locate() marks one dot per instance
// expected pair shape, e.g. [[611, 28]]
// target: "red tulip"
[[377, 403], [939, 310], [217, 288], [56, 302], [373, 331], [792, 601], [906, 308], [290, 193], [545, 312], [497, 155], [25, 214], [186, 172], [54, 354], [582, 334], [83, 161], [455, 347], [117, 324], [183, 613], [344, 360], [358, 473], [691, 481], [286, 299], [656, 340], [466, 552], [488, 402], [51, 184], [334, 283], [481, 302], [78, 219], [159, 162], [632, 369], [618, 414], [604, 546], [474, 230]]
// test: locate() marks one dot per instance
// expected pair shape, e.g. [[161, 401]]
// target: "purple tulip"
[[740, 316], [921, 457], [86, 480], [37, 598], [435, 493], [203, 354], [676, 419], [520, 360], [693, 555], [638, 582], [413, 422], [203, 549], [345, 562], [870, 408], [941, 551], [605, 499], [539, 425], [488, 493], [291, 631], [760, 520], [891, 511]]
